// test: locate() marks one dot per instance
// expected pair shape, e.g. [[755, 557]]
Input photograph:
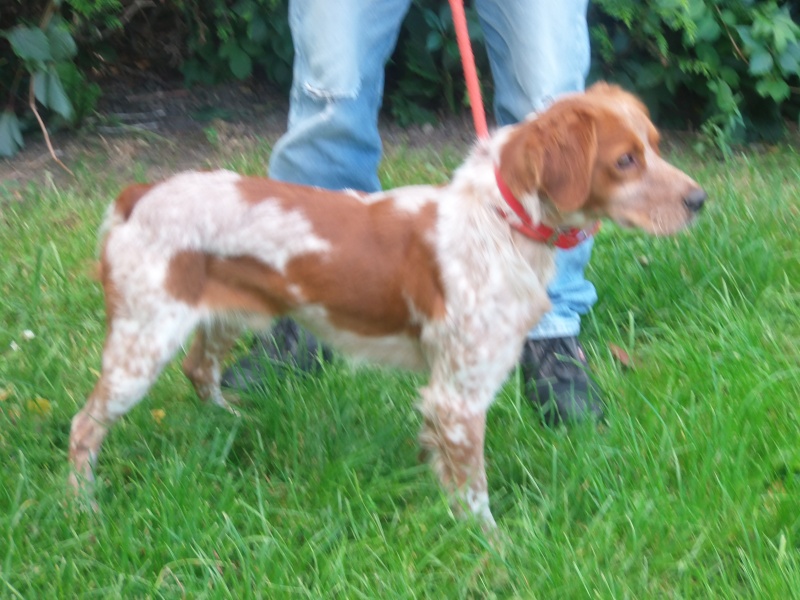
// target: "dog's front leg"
[[453, 436]]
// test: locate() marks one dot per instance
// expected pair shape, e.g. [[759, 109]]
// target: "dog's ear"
[[553, 155], [521, 161]]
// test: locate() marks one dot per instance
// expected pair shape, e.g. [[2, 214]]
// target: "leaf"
[[433, 41], [240, 63], [158, 415], [708, 54], [749, 43], [794, 49], [62, 46], [777, 89], [10, 134], [432, 19], [622, 356], [784, 30], [49, 91], [708, 30], [257, 30], [760, 63], [724, 96], [29, 43], [789, 63], [729, 76], [648, 75], [245, 8], [728, 17]]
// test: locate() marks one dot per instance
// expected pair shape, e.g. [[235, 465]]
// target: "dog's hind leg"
[[134, 354], [202, 364]]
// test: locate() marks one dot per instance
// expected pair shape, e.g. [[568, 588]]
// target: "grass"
[[692, 489]]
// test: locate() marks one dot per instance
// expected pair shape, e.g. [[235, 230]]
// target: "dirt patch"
[[168, 128]]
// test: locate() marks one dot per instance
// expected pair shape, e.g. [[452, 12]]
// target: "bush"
[[229, 39], [728, 68], [38, 63], [732, 69], [425, 72]]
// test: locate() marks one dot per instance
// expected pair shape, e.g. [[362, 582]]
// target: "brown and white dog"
[[442, 279]]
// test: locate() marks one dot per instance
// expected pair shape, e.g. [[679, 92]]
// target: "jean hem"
[[555, 328]]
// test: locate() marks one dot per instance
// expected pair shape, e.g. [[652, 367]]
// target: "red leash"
[[468, 64], [542, 233]]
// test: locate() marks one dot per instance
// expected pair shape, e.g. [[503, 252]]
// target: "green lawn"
[[691, 490]]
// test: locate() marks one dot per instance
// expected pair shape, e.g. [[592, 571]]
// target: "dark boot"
[[557, 381], [285, 346]]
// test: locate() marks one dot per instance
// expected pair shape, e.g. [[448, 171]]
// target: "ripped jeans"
[[538, 49]]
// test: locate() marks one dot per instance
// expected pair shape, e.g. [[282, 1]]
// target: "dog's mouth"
[[673, 227], [657, 223]]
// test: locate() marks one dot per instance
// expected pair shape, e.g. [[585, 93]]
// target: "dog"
[[446, 279]]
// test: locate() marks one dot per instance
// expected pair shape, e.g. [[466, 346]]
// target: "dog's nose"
[[695, 199]]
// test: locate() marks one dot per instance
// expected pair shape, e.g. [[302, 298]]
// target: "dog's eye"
[[626, 161]]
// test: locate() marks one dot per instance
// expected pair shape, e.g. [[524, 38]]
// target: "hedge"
[[731, 70]]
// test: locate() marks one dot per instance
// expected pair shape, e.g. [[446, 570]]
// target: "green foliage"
[[231, 40], [39, 51], [730, 69], [10, 134], [42, 56], [427, 73], [97, 11], [82, 94]]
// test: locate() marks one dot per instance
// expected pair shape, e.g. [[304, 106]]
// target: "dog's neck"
[[478, 174], [472, 207]]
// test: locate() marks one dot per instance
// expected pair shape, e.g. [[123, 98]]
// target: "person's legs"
[[340, 52], [332, 140], [539, 50]]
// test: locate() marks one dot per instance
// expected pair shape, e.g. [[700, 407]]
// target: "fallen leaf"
[[39, 406], [623, 357], [158, 414], [5, 394]]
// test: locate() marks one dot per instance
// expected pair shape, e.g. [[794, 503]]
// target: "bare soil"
[[167, 128]]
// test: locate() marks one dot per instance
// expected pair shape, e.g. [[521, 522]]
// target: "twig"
[[46, 16], [48, 13], [730, 37], [143, 128], [32, 103], [135, 116]]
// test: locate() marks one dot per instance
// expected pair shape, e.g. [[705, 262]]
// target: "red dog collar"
[[564, 239]]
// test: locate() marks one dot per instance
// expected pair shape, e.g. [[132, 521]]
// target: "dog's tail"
[[117, 213], [121, 209]]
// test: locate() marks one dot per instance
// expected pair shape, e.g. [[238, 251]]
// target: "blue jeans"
[[538, 49]]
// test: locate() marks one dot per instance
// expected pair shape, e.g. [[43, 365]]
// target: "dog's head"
[[594, 155]]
